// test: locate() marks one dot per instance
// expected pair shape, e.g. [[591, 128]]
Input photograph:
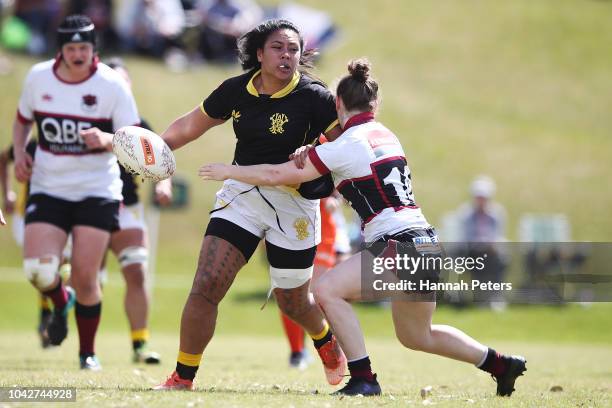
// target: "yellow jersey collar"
[[283, 92]]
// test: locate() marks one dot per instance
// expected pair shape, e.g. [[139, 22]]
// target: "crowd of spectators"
[[179, 31]]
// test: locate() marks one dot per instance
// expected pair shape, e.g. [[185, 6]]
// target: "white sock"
[[484, 358]]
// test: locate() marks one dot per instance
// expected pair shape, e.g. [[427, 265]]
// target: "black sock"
[[361, 369], [319, 343], [186, 372], [494, 363], [137, 344], [44, 312]]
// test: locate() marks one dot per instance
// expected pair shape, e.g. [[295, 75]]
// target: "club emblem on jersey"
[[301, 228], [47, 98], [278, 121], [89, 103], [235, 115]]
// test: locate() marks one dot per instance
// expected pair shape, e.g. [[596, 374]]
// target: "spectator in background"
[[482, 226], [483, 220], [223, 22], [151, 27], [42, 18], [317, 25], [101, 13]]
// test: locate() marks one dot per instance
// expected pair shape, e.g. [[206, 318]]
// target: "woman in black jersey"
[[275, 108]]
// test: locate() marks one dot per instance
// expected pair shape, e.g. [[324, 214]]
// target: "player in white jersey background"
[[76, 103], [369, 169], [129, 244]]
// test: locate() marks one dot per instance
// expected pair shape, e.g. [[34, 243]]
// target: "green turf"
[[238, 371], [240, 313]]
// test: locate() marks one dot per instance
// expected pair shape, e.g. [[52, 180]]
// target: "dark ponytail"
[[358, 91]]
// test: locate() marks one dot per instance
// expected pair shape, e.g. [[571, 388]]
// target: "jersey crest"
[[89, 103], [278, 121], [301, 228]]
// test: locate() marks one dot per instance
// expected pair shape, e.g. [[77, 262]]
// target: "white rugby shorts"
[[132, 217], [256, 209]]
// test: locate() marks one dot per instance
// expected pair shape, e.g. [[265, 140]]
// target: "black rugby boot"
[[515, 367], [360, 386]]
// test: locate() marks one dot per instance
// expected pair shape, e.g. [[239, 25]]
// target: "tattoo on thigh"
[[218, 264]]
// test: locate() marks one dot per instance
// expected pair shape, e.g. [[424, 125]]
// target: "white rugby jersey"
[[64, 166], [369, 169]]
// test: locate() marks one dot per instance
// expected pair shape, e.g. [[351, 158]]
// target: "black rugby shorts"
[[97, 212]]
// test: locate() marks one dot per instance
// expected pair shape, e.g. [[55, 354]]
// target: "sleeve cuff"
[[22, 119], [317, 162], [204, 110]]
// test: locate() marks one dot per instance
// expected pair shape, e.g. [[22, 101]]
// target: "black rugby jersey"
[[130, 186], [269, 128]]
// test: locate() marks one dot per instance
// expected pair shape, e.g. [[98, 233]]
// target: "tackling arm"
[[188, 127], [261, 174]]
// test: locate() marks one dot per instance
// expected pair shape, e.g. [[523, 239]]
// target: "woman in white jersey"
[[369, 169], [76, 103]]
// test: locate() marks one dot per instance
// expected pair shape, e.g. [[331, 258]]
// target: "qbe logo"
[[63, 131]]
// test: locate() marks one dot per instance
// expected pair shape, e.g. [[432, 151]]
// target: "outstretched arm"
[[261, 174], [188, 128]]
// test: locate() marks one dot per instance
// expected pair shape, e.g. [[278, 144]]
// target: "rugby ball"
[[144, 153]]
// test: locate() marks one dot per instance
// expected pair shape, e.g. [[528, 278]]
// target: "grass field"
[[251, 372], [246, 363], [520, 90]]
